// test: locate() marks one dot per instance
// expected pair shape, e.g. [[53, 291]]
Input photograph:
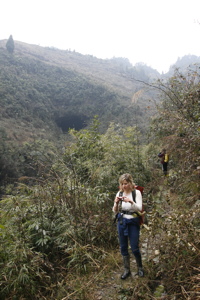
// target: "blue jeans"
[[129, 230]]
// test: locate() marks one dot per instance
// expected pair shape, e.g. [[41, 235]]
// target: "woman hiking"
[[128, 225]]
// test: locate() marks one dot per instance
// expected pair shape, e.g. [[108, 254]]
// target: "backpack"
[[141, 214], [166, 158]]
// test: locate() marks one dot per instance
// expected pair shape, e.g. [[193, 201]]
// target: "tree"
[[177, 128], [10, 44]]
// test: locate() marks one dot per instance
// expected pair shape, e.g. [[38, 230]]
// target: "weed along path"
[[169, 252], [111, 287], [108, 284]]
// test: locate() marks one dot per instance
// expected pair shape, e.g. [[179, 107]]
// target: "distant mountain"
[[46, 91], [184, 63]]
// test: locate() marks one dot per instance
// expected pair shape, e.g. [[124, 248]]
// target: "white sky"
[[155, 32]]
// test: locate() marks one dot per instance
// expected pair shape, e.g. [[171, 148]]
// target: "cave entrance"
[[70, 121]]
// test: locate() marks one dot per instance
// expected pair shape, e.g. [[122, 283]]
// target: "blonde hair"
[[128, 178]]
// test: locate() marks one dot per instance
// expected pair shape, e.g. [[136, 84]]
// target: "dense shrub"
[[59, 221]]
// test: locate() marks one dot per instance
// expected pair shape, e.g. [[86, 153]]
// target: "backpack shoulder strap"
[[120, 202], [134, 195]]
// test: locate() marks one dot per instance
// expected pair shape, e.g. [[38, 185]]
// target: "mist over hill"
[[46, 91]]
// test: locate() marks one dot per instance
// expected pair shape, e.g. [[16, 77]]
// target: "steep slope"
[[50, 89]]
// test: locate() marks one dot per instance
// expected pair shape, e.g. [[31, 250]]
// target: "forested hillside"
[[44, 92], [57, 237], [68, 88]]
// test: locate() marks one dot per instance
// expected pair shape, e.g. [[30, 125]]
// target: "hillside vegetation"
[[44, 92], [57, 238], [68, 88]]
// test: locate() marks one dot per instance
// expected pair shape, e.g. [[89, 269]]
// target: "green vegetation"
[[45, 92], [57, 238]]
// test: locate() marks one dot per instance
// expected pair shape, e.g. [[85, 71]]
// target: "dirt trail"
[[112, 287]]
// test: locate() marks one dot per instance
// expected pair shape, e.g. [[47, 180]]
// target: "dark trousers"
[[165, 167], [129, 230]]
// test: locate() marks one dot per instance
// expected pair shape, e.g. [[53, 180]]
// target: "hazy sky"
[[155, 32]]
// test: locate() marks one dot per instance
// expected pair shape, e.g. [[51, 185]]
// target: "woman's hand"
[[117, 199], [126, 199]]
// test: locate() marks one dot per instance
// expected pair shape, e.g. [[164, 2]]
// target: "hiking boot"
[[140, 272], [127, 272]]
